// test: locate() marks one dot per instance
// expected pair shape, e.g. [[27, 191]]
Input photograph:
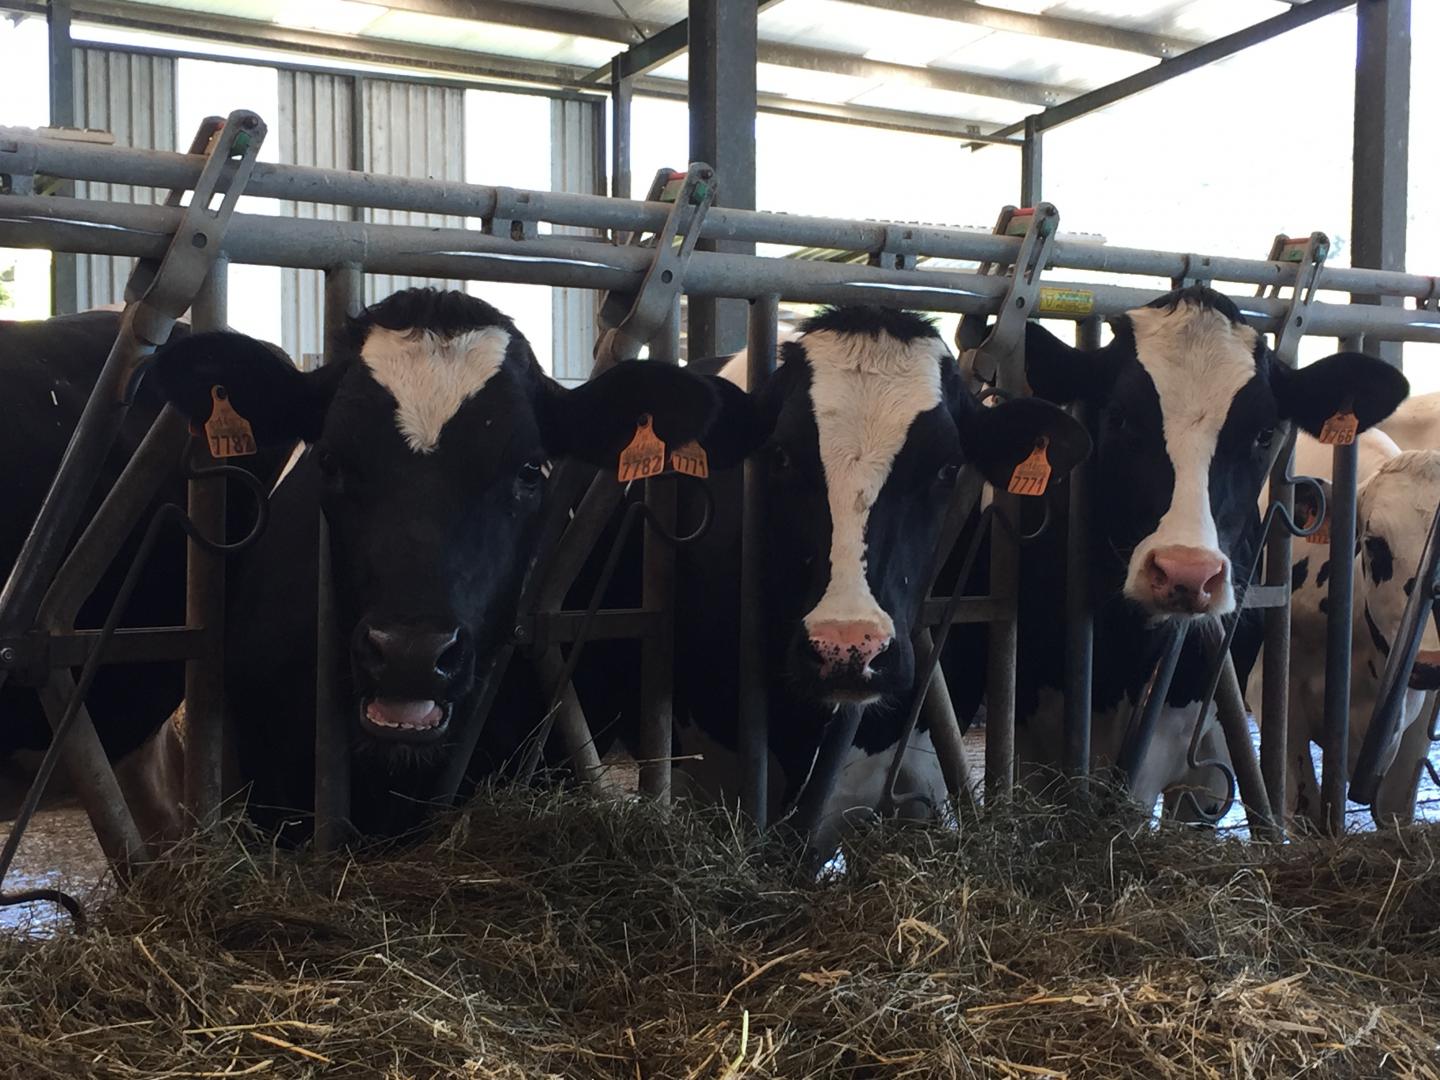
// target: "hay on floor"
[[552, 935]]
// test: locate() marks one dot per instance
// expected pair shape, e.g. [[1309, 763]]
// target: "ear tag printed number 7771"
[[1032, 476], [228, 433]]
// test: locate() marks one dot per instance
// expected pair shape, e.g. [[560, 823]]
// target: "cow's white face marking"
[[866, 392], [431, 376], [1198, 360]]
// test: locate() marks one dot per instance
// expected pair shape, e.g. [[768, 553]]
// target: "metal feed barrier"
[[645, 281]]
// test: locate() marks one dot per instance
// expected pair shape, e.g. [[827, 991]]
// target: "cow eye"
[[326, 461], [531, 471], [1265, 438], [948, 473], [779, 459]]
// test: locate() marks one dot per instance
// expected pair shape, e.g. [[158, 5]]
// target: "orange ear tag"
[[691, 460], [228, 432], [1340, 429], [1320, 535], [645, 456], [1032, 476]]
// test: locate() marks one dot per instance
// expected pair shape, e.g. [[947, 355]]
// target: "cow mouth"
[[1425, 675], [405, 720]]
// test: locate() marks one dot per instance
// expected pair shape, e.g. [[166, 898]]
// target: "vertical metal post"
[[1079, 624], [1031, 163], [722, 133], [1338, 631], [205, 734], [657, 657], [754, 699], [938, 713], [622, 93], [1381, 171], [344, 287], [64, 282], [1275, 694]]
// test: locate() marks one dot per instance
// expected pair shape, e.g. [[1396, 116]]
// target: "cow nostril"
[[1215, 583], [1155, 574], [373, 644], [451, 658]]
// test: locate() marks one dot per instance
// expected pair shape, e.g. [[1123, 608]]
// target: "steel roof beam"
[[1056, 27]]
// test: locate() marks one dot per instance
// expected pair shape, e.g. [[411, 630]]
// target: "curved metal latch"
[[982, 353], [633, 319], [1309, 253], [159, 291]]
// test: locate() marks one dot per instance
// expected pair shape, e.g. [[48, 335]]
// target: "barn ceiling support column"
[[1381, 177], [63, 282], [622, 95], [722, 133], [1032, 163]]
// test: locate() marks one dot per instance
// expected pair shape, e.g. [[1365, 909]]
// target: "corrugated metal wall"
[[412, 130], [407, 129], [132, 96], [577, 165], [316, 128]]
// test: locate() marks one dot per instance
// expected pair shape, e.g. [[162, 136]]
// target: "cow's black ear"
[[741, 426], [997, 439], [597, 420], [281, 403], [1061, 373], [1368, 387]]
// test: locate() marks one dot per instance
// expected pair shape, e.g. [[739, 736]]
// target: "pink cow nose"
[[845, 645], [1185, 578]]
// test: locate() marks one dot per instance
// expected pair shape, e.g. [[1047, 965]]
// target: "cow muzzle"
[[1184, 580], [409, 676], [849, 658]]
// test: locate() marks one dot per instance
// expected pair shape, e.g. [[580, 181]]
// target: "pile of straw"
[[542, 934]]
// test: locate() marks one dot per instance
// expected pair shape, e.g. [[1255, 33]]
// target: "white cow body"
[[1415, 425], [1397, 497]]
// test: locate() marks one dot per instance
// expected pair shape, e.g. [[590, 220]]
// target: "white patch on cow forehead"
[[865, 392], [431, 376], [1198, 360]]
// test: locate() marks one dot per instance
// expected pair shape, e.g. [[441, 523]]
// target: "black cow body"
[[428, 435], [47, 369], [1184, 405]]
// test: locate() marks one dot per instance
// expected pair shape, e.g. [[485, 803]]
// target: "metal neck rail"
[[79, 225]]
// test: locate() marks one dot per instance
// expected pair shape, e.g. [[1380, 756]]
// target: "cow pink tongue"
[[416, 715]]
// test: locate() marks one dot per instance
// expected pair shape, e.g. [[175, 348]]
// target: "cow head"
[[1186, 399], [431, 428], [868, 427]]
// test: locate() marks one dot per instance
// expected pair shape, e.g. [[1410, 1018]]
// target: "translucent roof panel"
[[1045, 60], [444, 32], [1200, 20], [865, 31]]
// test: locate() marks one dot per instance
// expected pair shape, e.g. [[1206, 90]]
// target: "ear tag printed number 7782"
[[228, 433], [645, 456]]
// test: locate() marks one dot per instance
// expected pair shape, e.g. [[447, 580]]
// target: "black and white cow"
[[47, 368], [865, 427], [428, 437], [1397, 497], [1184, 403]]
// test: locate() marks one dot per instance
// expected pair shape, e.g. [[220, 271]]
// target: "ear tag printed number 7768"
[[228, 433]]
